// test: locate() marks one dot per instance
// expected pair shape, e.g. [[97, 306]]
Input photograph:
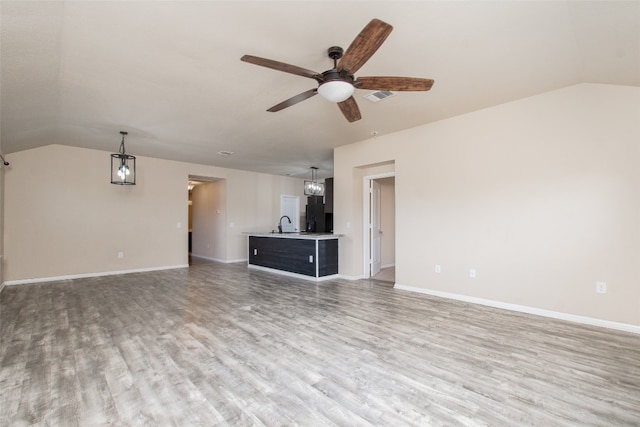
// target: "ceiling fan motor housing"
[[333, 74], [335, 53]]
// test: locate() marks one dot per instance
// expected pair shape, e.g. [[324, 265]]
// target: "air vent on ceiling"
[[379, 95]]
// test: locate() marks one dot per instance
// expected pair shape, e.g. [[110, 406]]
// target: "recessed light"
[[225, 153]]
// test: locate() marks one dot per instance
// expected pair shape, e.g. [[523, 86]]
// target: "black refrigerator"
[[315, 214]]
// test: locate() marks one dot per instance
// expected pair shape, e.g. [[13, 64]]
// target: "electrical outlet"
[[120, 255], [601, 287], [438, 269], [472, 273]]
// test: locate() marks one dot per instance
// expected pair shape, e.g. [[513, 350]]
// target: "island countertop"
[[294, 235]]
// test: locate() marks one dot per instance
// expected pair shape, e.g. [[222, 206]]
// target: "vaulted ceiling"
[[169, 72]]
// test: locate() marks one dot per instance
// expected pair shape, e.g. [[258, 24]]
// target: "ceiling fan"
[[338, 84]]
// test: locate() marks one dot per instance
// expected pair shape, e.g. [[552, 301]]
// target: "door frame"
[[366, 214], [217, 231]]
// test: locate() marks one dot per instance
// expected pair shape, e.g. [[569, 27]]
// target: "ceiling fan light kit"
[[336, 90], [338, 84]]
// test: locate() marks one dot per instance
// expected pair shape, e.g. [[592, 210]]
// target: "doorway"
[[207, 219], [379, 226]]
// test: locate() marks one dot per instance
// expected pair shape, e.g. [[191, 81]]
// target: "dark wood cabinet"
[[306, 256], [293, 255], [328, 195], [327, 257]]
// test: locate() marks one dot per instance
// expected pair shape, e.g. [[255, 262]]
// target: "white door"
[[290, 207], [374, 227]]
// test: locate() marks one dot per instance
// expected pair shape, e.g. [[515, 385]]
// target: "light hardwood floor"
[[217, 344], [387, 274]]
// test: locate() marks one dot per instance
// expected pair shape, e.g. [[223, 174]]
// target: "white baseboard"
[[225, 261], [635, 329], [231, 261], [82, 276], [388, 265]]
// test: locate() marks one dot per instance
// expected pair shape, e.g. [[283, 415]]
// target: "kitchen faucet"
[[280, 223]]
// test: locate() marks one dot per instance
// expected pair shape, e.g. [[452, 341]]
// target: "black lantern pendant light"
[[123, 166]]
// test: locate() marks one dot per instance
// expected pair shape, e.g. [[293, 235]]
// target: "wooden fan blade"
[[293, 100], [393, 83], [364, 45], [281, 66], [350, 109]]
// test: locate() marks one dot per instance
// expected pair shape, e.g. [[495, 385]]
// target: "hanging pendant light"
[[123, 166], [313, 187]]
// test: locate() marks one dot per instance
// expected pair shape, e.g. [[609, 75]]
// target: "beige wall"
[[64, 218], [541, 196]]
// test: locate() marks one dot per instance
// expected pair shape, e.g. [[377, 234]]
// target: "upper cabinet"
[[328, 195]]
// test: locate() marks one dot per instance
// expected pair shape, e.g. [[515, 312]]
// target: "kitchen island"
[[312, 256]]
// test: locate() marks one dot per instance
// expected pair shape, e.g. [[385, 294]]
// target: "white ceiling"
[[169, 72]]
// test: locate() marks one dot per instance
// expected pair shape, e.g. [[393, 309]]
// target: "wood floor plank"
[[221, 345]]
